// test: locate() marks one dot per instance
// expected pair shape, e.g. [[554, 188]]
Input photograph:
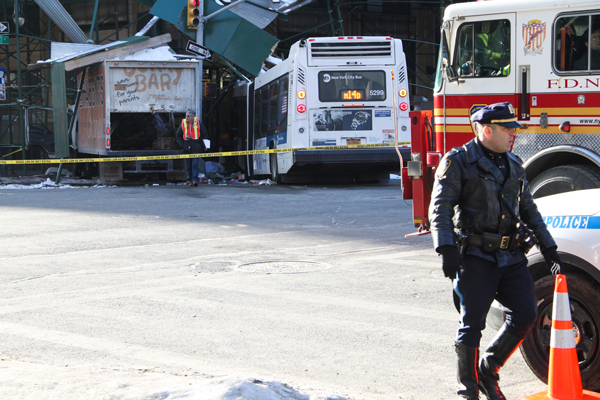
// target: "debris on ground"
[[37, 182]]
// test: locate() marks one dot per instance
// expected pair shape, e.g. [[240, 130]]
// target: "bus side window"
[[257, 117], [283, 104], [273, 106], [264, 111]]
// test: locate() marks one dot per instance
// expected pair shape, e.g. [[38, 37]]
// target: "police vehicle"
[[573, 218]]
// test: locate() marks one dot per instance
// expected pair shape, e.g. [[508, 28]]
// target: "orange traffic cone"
[[564, 378]]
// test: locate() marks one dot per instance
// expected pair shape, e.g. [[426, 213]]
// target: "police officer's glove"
[[553, 261], [451, 261]]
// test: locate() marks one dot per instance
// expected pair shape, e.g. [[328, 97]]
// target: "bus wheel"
[[584, 298], [565, 178], [275, 176]]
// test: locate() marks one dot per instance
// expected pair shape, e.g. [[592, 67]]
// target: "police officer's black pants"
[[479, 283]]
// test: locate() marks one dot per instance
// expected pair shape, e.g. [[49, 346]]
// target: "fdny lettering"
[[573, 222], [570, 83]]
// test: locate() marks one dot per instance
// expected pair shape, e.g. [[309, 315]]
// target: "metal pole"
[[219, 11], [117, 18], [149, 25], [340, 19], [20, 99], [330, 12], [200, 41], [93, 26], [8, 91], [46, 102]]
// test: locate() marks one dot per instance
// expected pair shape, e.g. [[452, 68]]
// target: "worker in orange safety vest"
[[190, 137]]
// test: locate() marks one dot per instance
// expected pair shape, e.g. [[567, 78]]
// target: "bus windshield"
[[351, 85]]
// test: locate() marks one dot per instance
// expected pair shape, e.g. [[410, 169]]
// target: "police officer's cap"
[[499, 113], [191, 112]]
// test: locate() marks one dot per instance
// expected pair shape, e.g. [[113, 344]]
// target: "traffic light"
[[209, 89], [193, 14]]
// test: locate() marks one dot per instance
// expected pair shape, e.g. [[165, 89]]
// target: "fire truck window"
[[443, 61], [570, 49], [594, 43], [464, 57], [483, 49]]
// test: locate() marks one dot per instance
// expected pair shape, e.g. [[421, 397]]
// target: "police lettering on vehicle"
[[572, 222]]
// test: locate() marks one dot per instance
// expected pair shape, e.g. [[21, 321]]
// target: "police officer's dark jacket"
[[471, 194]]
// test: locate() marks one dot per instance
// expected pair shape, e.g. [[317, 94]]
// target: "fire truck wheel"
[[584, 297], [565, 178]]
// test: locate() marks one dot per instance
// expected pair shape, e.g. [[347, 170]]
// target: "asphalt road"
[[313, 286]]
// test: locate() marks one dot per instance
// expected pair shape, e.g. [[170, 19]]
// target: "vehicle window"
[[264, 93], [352, 85], [273, 107], [283, 105], [264, 122], [257, 116], [483, 49], [577, 43], [274, 89], [441, 63], [261, 121]]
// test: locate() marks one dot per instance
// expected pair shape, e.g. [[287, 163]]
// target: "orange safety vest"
[[193, 132]]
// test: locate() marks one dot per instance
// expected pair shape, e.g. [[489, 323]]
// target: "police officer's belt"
[[490, 241]]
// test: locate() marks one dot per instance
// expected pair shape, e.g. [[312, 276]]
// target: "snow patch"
[[162, 53], [235, 388]]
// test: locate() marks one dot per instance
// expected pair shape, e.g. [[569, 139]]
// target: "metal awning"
[[91, 54]]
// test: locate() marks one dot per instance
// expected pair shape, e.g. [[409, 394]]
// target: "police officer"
[[190, 137], [481, 203]]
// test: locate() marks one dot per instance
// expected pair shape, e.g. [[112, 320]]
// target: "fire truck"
[[544, 58]]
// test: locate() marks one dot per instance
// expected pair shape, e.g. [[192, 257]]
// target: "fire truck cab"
[[544, 58]]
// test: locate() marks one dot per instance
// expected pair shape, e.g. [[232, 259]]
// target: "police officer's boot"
[[467, 372], [494, 358]]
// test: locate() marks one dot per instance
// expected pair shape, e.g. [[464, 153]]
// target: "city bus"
[[331, 91]]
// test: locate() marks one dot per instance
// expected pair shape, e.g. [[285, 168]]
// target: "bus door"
[[482, 71]]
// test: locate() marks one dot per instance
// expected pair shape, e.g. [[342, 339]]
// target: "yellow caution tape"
[[182, 156]]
